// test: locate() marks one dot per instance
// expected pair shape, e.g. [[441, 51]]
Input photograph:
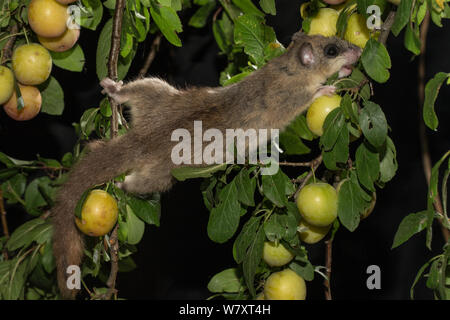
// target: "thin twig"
[[112, 74], [386, 27], [4, 223], [7, 49], [151, 56], [426, 158], [328, 260]]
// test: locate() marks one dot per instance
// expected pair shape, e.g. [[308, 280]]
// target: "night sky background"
[[176, 260]]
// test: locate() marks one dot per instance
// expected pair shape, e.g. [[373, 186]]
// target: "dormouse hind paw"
[[110, 86]]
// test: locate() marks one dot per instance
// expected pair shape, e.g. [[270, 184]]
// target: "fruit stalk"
[[4, 223], [386, 27], [328, 261]]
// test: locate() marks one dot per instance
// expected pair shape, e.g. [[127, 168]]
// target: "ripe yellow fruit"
[[47, 18], [62, 43], [276, 255], [311, 234], [357, 31], [6, 84], [317, 203], [285, 285], [98, 214], [32, 64], [319, 110], [66, 1], [324, 23], [32, 104]]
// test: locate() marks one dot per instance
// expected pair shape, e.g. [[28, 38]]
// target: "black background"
[[176, 260]]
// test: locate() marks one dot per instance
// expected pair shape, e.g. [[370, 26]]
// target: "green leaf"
[[252, 259], [183, 173], [94, 14], [376, 60], [102, 55], [412, 40], [147, 210], [24, 235], [350, 204], [226, 281], [275, 187], [223, 30], [248, 7], [410, 225], [72, 59], [273, 228], [340, 151], [388, 163], [367, 166], [292, 144], [52, 97], [87, 121], [168, 22], [245, 237], [200, 17], [303, 268], [373, 124], [245, 187], [251, 32], [11, 162], [431, 92], [14, 188], [333, 125], [402, 16], [34, 197], [268, 6], [224, 219], [136, 227]]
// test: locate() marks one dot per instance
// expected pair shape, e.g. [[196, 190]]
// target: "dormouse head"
[[321, 56]]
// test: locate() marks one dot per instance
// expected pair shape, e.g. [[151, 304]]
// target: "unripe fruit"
[[98, 214], [32, 104], [324, 23], [62, 43], [319, 110], [276, 255], [317, 203], [357, 31], [6, 84], [311, 234], [47, 18], [32, 64], [285, 285]]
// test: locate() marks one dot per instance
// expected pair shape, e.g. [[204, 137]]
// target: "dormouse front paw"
[[111, 87], [325, 90]]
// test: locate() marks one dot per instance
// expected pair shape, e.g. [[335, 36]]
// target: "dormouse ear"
[[306, 54], [298, 36]]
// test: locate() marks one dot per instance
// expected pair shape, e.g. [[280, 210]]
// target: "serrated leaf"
[[225, 281], [245, 187], [373, 124], [410, 225], [34, 199], [92, 14], [136, 227], [376, 60], [168, 22], [412, 40], [275, 187], [350, 204], [24, 235], [183, 173], [402, 16], [367, 166], [388, 163], [252, 259], [52, 97], [14, 188], [72, 59], [245, 237], [248, 7], [224, 219], [333, 125], [147, 210], [268, 6], [431, 92], [303, 268], [200, 17], [251, 32]]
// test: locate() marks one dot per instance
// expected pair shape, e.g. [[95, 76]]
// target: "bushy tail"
[[104, 161]]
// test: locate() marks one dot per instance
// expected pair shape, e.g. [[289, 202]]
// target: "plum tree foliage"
[[355, 153]]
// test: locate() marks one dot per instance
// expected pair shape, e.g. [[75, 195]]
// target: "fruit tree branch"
[[328, 260], [7, 49], [4, 223], [426, 158], [112, 74], [386, 27], [151, 55]]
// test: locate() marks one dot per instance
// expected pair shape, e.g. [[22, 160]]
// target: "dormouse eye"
[[331, 50]]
